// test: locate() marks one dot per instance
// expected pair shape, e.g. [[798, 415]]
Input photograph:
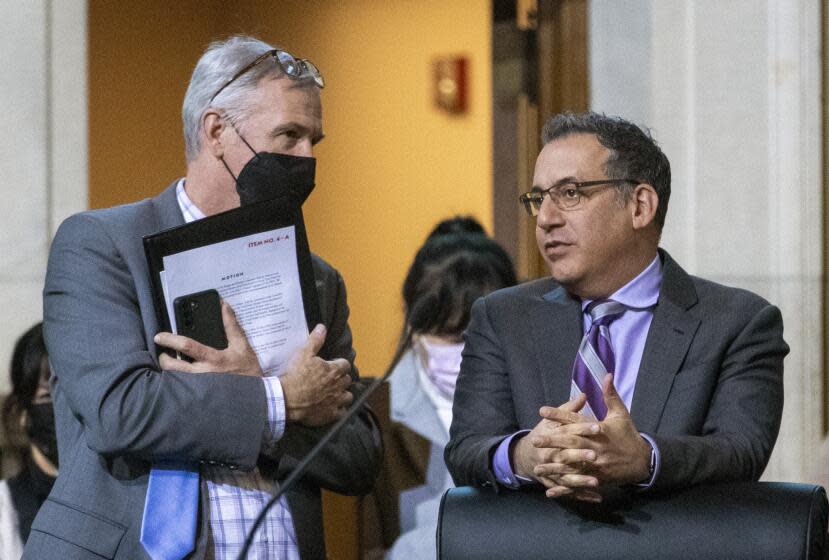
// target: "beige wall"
[[141, 55], [391, 164], [42, 154]]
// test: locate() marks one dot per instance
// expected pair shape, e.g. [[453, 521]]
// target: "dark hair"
[[458, 224], [449, 272], [634, 153], [29, 366]]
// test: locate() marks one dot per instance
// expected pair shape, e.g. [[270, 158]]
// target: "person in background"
[[28, 407], [456, 265]]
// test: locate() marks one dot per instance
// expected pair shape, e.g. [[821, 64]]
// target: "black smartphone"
[[199, 316]]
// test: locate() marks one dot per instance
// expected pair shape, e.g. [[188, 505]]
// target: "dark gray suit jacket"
[[116, 412], [709, 390]]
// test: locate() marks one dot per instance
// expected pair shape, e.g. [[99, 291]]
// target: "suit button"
[[233, 467]]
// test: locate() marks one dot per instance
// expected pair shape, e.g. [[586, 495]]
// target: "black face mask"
[[40, 427], [269, 175]]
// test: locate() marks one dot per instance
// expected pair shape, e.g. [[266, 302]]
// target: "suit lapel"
[[556, 326], [669, 337], [165, 214]]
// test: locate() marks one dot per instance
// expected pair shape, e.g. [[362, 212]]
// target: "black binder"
[[239, 222]]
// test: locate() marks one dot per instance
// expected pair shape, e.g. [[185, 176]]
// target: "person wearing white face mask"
[[456, 265], [438, 363]]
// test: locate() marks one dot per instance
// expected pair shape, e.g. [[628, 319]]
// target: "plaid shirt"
[[236, 498]]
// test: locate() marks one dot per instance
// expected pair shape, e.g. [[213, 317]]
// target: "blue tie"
[[168, 528]]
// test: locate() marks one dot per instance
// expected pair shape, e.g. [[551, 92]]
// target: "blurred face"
[[440, 339], [587, 248], [42, 394]]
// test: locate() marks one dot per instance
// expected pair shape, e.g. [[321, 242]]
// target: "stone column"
[[43, 149], [731, 91]]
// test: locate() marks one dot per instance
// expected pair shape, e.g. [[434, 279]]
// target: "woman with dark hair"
[[457, 264], [28, 407]]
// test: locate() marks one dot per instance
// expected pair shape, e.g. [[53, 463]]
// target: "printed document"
[[259, 277]]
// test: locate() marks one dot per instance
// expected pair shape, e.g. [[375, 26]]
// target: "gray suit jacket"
[[116, 412], [709, 390]]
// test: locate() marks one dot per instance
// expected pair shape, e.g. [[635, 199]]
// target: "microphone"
[[255, 184], [312, 454]]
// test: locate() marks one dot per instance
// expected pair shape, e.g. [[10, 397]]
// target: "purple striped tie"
[[595, 358]]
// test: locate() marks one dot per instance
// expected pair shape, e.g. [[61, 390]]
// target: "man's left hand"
[[620, 454], [238, 357]]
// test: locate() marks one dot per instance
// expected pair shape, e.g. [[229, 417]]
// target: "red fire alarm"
[[450, 83]]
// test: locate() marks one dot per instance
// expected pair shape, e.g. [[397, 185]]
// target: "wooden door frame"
[[555, 79]]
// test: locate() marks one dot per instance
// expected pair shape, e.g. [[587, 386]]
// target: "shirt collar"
[[640, 293], [190, 211]]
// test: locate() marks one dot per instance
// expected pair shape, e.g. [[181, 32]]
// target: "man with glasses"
[[165, 458], [620, 369]]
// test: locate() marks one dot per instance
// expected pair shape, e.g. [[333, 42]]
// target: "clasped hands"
[[572, 454], [315, 390]]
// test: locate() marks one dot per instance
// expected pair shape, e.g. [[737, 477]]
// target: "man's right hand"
[[316, 390]]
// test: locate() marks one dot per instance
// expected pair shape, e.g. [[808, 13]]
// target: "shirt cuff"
[[655, 460], [275, 423], [502, 466]]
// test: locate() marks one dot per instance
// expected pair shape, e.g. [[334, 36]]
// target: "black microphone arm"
[[310, 456]]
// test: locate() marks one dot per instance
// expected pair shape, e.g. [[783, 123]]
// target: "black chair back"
[[750, 521]]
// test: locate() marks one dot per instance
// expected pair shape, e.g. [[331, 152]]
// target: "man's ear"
[[212, 128], [645, 201]]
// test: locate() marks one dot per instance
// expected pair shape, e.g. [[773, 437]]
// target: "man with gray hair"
[[165, 458], [672, 380]]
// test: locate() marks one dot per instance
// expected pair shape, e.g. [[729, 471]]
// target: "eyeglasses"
[[293, 67], [567, 196]]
